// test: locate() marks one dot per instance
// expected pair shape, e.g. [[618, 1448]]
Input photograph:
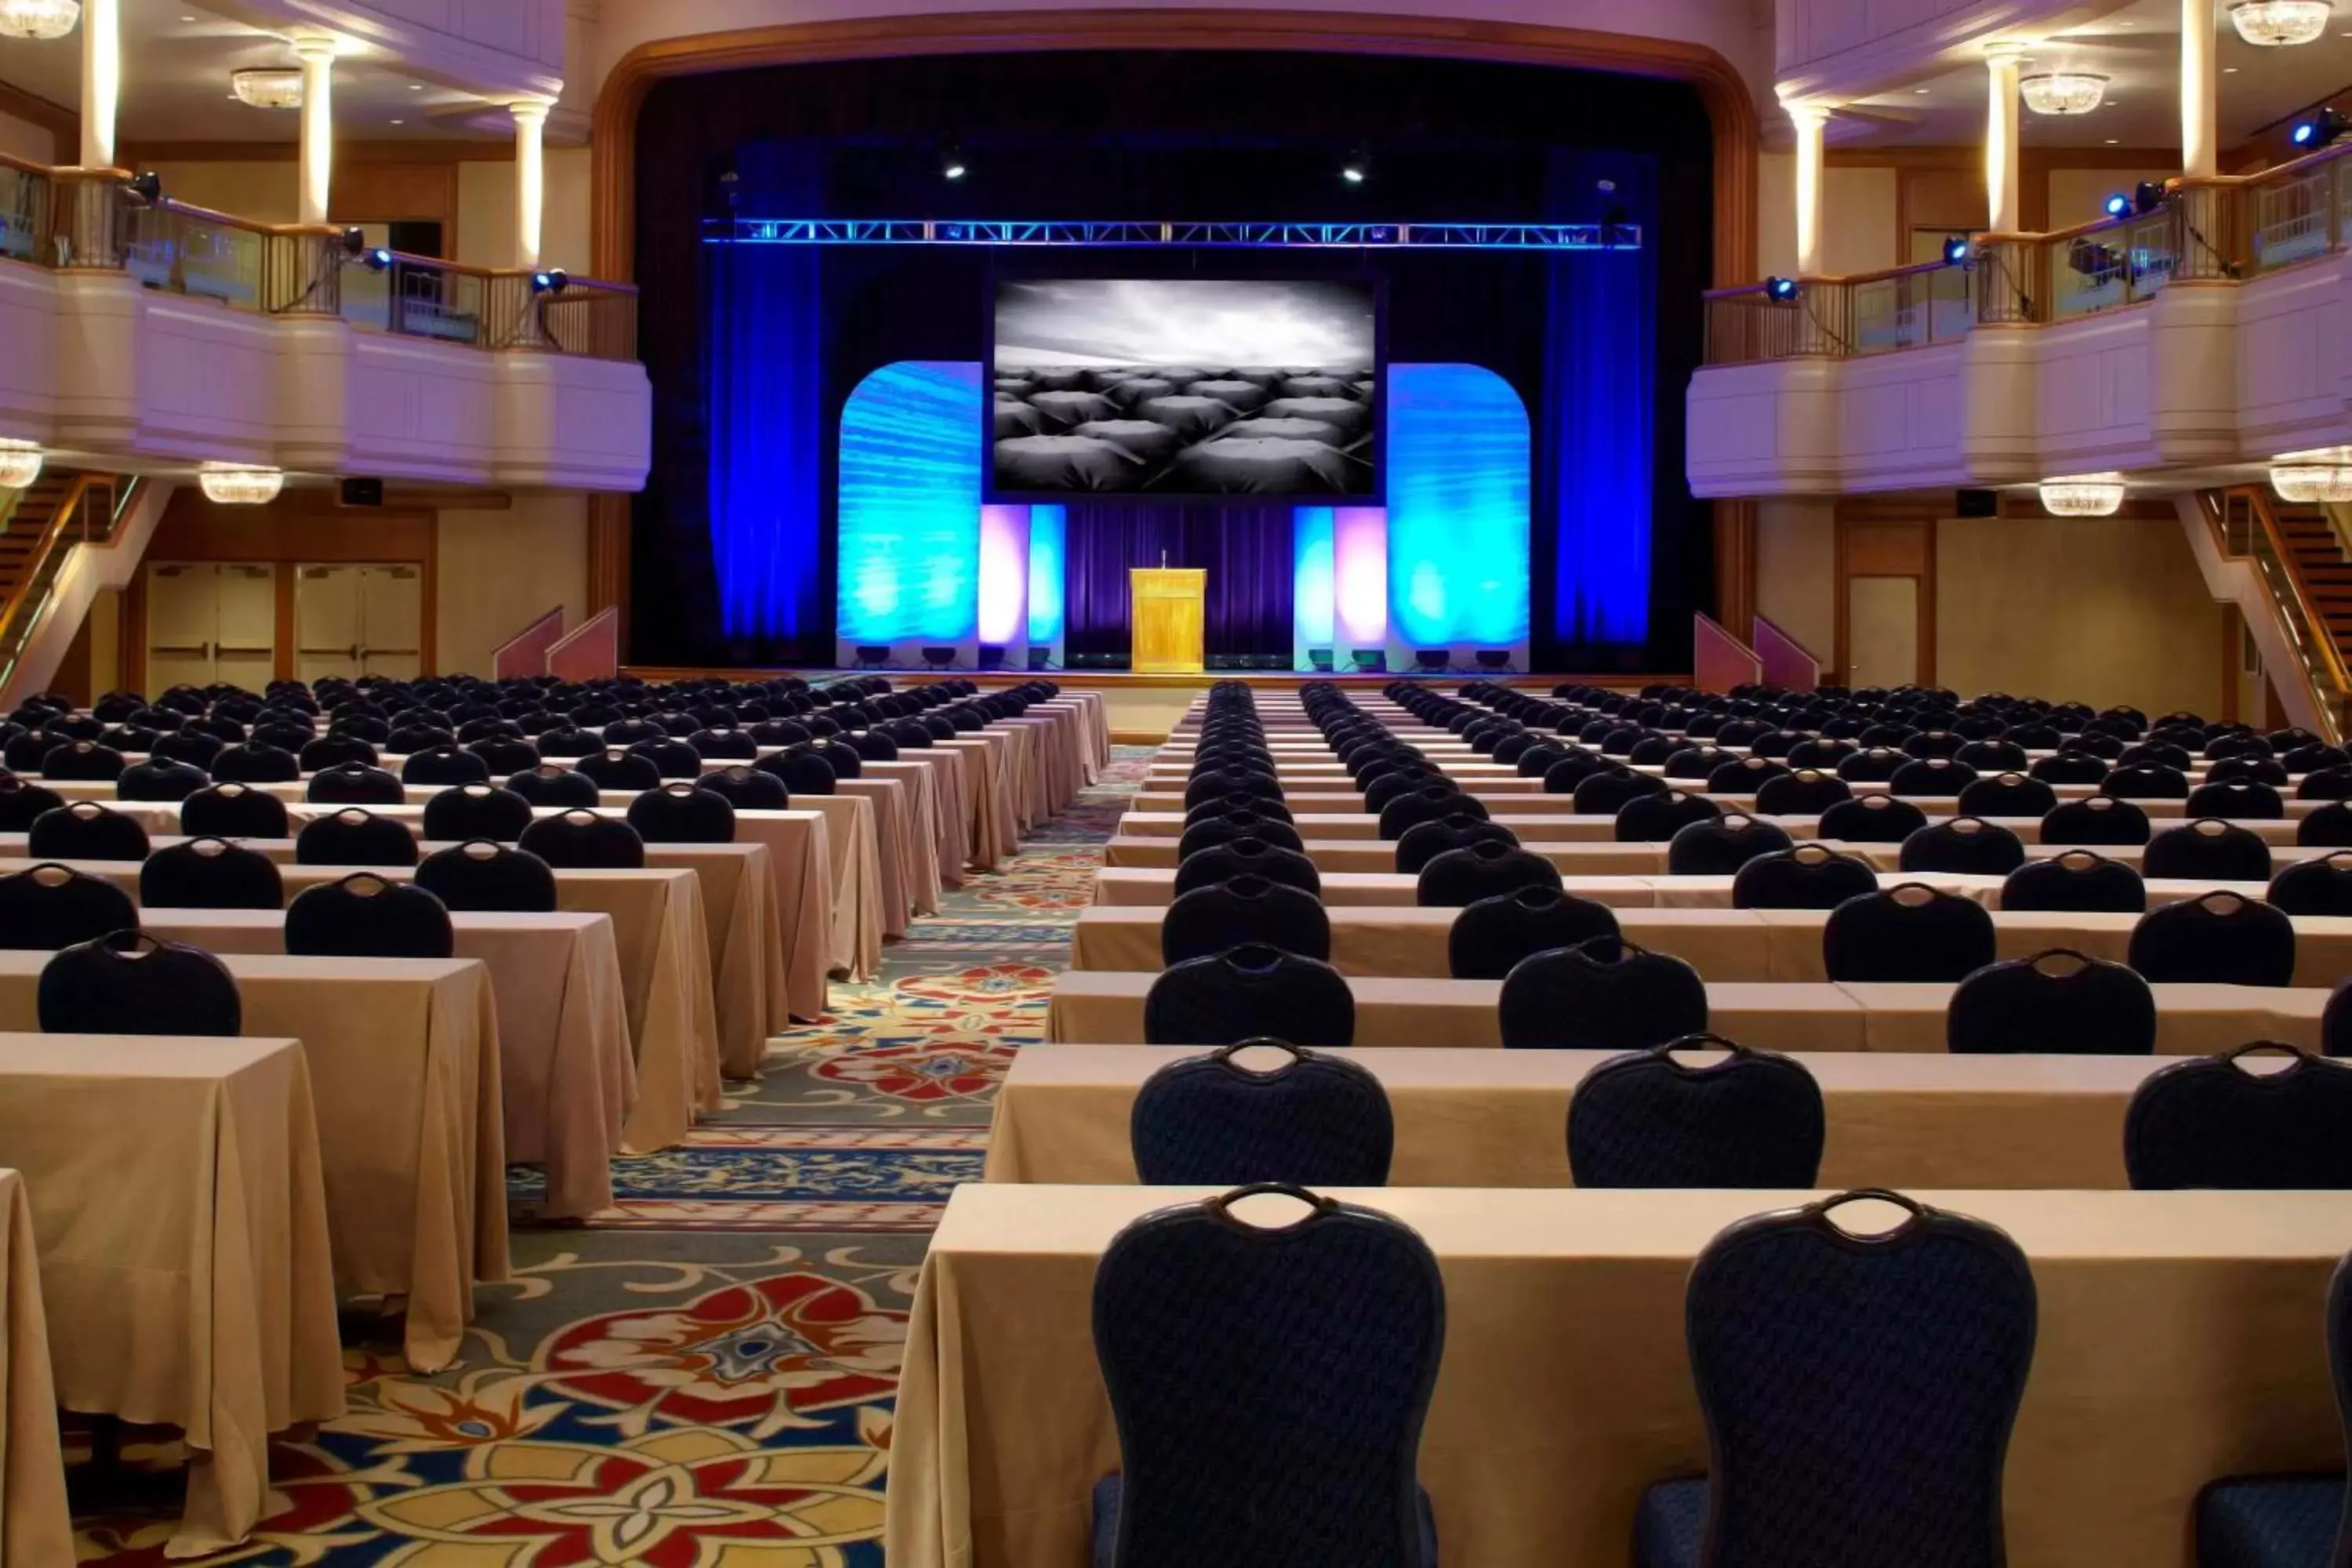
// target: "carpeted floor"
[[701, 1377]]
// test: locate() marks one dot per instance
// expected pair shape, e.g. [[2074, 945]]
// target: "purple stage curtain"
[[1245, 549]]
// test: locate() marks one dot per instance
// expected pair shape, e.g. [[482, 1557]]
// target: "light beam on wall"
[[1360, 579], [1003, 574], [1049, 529], [1457, 455], [909, 552], [1312, 608]]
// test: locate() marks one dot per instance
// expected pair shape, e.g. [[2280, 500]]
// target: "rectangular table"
[[179, 1203], [36, 1526]]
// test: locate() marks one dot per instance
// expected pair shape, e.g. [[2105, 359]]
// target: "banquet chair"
[[130, 983], [1931, 776], [1808, 792], [2211, 1123], [1870, 766], [671, 759], [82, 762], [582, 840], [1803, 877], [1210, 832], [623, 771], [51, 906], [548, 784], [622, 733], [2058, 1002], [1648, 1118], [1222, 862], [1871, 819], [1245, 993], [482, 874], [2236, 802], [2101, 819], [354, 837], [1655, 818], [1384, 784], [86, 830], [2328, 827], [1430, 803], [1603, 994], [731, 743], [1207, 782], [446, 765], [2070, 767], [1607, 793], [1720, 846], [1489, 937], [1244, 909], [803, 770], [2333, 781], [210, 873], [2077, 880], [684, 812], [2216, 938], [2249, 770], [1217, 1120], [1564, 777], [566, 742], [1968, 845], [190, 746], [364, 916], [2287, 1520], [1746, 775], [255, 761], [1257, 1428], [476, 811], [1994, 756], [22, 803], [2320, 887], [160, 779], [2146, 781], [2007, 794], [355, 783], [1909, 932], [1858, 1390], [234, 811], [1460, 878], [329, 751]]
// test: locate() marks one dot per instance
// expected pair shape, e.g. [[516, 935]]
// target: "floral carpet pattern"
[[701, 1376]]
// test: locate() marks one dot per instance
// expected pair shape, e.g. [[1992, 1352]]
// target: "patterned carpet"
[[702, 1376]]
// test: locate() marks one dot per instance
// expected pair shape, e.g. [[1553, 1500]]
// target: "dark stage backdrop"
[[1245, 549]]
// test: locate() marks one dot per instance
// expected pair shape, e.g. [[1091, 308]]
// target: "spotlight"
[[147, 186], [2119, 204], [952, 165], [554, 280], [1353, 173], [379, 260], [1358, 168], [1782, 289], [2320, 130], [2148, 196], [354, 241], [1957, 250]]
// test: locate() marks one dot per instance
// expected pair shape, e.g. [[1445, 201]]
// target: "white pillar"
[[2002, 208], [530, 178], [101, 80], [2200, 92], [317, 53], [1811, 120]]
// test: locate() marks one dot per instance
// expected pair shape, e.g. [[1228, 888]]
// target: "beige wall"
[[1857, 218], [1796, 573], [2101, 610], [486, 218], [262, 191], [499, 571], [33, 143]]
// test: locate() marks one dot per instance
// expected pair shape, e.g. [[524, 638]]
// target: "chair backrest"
[[1607, 793], [354, 837], [2079, 879], [1425, 841], [2208, 851], [211, 873], [1604, 993], [1964, 844], [483, 875], [82, 760], [2211, 1123], [683, 812], [1859, 1391], [582, 840], [1656, 818], [363, 916], [52, 906], [234, 811], [1312, 1120], [443, 765], [22, 803], [1226, 826], [1460, 878], [1427, 804], [1256, 1423], [2102, 820], [2216, 938], [1491, 936], [1248, 857], [476, 811], [129, 983], [1245, 909], [1872, 819], [1649, 1119], [355, 783], [1931, 776], [2245, 800], [160, 779], [86, 831], [672, 759], [623, 771], [1910, 931], [1802, 877], [2318, 887], [1249, 992], [2058, 1002], [1720, 846], [2146, 781], [2007, 794], [747, 788]]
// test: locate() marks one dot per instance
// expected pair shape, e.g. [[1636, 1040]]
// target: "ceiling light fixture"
[[20, 463], [2279, 24], [2325, 475], [273, 87], [2083, 495], [2063, 92], [237, 484], [38, 18]]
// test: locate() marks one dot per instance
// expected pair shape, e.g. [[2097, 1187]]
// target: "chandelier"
[[38, 18], [233, 484], [2063, 92], [2305, 477], [2276, 23], [2083, 495], [272, 87], [20, 463]]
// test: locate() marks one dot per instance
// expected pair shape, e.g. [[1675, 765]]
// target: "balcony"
[[2205, 332], [148, 333]]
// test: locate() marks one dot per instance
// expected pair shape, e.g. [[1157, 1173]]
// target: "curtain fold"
[[1245, 550]]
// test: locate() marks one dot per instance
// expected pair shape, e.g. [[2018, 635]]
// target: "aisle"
[[716, 1356]]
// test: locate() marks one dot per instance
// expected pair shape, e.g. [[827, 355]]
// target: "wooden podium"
[[1168, 616]]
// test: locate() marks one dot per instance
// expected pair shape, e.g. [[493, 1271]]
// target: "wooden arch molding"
[[612, 214]]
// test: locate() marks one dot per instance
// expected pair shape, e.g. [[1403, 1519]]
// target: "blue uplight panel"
[[1312, 611], [1457, 459], [1049, 528], [910, 554]]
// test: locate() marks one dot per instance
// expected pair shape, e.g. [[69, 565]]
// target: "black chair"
[[82, 762], [2329, 826], [1967, 845], [234, 811], [1604, 993], [476, 811], [1247, 857], [2007, 794], [1249, 992], [86, 831], [355, 783], [1872, 764], [354, 837], [1209, 920], [672, 759], [1260, 1421], [2217, 939], [683, 812], [1428, 803], [1649, 1120], [2244, 801], [1931, 776], [447, 766], [210, 873], [732, 744], [364, 916], [1209, 832], [1656, 818], [1804, 876], [2146, 781], [2333, 781], [2287, 1520], [2070, 767], [1720, 846], [1805, 793], [1859, 1394], [1871, 819], [803, 770], [747, 789], [2077, 880], [1460, 878], [2100, 819], [1909, 932], [52, 906], [1215, 1120], [130, 983], [1490, 936], [2207, 850], [626, 772], [160, 779], [22, 803], [483, 875], [548, 784], [1607, 793], [2059, 1003], [2321, 887], [2211, 1122], [1425, 841]]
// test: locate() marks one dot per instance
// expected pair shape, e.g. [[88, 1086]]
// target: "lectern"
[[1169, 607]]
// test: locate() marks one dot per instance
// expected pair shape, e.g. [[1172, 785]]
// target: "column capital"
[[529, 110], [1809, 112], [313, 47], [2005, 51]]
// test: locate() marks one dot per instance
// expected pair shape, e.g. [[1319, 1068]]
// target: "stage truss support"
[[1185, 236]]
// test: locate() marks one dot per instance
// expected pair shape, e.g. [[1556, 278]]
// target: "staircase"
[[2318, 553], [51, 515], [2289, 571]]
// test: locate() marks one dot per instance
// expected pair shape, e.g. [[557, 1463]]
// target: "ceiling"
[[2137, 48], [176, 60]]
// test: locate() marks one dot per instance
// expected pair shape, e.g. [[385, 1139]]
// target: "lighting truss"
[[1188, 236]]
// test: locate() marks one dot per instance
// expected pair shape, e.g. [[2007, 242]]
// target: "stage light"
[[2319, 129], [1782, 290], [354, 241], [940, 658], [1370, 660], [147, 186], [1041, 656], [2119, 204], [1318, 659], [1433, 660], [2148, 196], [379, 260], [554, 280], [873, 656], [1958, 249], [953, 169], [991, 656], [1358, 168], [1493, 658]]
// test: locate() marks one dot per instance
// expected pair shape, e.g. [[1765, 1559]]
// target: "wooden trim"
[[1735, 564], [60, 121], [1887, 515], [142, 154]]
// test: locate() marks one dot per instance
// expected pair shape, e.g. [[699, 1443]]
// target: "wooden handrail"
[[58, 520], [249, 225], [1834, 281], [2305, 606]]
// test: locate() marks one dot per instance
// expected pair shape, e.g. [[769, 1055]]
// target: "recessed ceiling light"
[[2229, 70], [400, 123], [2111, 141], [419, 87]]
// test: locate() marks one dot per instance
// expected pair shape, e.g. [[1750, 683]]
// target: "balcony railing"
[[24, 209], [1841, 318]]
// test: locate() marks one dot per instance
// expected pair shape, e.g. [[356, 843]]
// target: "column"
[[101, 80], [530, 178], [317, 53], [2002, 194], [1811, 121], [2201, 100]]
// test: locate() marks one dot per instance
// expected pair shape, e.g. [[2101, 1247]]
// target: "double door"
[[221, 621], [211, 622], [352, 621]]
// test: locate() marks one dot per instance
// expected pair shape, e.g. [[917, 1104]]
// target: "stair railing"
[[87, 512], [2249, 529]]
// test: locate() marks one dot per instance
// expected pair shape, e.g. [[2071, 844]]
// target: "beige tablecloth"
[[942, 779], [906, 800], [404, 1062], [36, 1528], [992, 790], [183, 1221], [2179, 1340]]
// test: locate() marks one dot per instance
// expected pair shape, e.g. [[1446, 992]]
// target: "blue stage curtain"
[[1245, 549]]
